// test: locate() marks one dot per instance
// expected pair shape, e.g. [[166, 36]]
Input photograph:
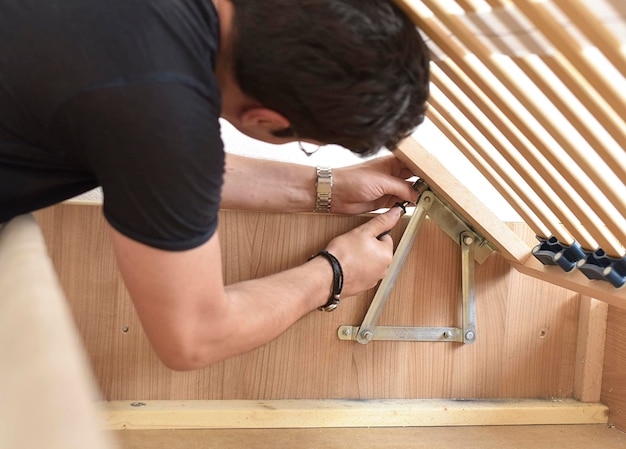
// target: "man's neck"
[[233, 99]]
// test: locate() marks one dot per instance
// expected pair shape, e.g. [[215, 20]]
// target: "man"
[[126, 94]]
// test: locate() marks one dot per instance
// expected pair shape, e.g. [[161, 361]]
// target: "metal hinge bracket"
[[473, 248]]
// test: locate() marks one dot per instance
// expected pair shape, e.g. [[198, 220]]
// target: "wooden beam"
[[590, 349], [613, 379], [518, 437], [348, 413], [428, 168]]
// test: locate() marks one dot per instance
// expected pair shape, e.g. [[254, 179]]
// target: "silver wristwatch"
[[323, 188]]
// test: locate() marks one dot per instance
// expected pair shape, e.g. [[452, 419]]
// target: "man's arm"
[[257, 184], [193, 320]]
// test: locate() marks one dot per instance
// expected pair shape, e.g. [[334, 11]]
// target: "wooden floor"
[[519, 437]]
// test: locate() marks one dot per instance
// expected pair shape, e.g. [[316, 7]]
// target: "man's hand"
[[363, 257], [371, 185], [256, 184]]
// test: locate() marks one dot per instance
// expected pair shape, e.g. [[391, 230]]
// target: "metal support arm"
[[428, 204]]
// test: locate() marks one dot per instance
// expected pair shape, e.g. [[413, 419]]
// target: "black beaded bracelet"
[[334, 299]]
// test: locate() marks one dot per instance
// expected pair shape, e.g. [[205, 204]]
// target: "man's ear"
[[261, 123]]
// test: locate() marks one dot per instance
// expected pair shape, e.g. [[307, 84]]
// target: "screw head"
[[346, 332], [447, 334], [367, 335], [137, 404], [468, 240], [470, 335]]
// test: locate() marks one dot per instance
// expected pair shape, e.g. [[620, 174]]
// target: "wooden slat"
[[502, 180], [614, 158], [522, 119], [427, 167], [521, 166], [595, 31], [550, 189], [601, 173], [598, 107], [599, 211], [586, 94], [540, 16], [506, 120], [590, 349], [340, 413]]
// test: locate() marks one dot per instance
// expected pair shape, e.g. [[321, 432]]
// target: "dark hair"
[[349, 72]]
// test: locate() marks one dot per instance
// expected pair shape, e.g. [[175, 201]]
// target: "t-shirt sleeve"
[[156, 150]]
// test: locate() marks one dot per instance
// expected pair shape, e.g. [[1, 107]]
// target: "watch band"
[[335, 294], [323, 189]]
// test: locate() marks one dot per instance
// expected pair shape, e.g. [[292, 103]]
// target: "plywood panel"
[[526, 328]]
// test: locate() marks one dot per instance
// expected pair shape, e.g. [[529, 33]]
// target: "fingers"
[[397, 185], [397, 167], [402, 189], [383, 223]]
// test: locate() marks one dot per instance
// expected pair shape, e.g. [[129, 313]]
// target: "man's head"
[[349, 72]]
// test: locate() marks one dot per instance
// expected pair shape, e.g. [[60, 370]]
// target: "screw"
[[447, 334], [427, 199], [125, 329], [137, 404], [470, 335], [367, 335], [468, 240], [346, 332]]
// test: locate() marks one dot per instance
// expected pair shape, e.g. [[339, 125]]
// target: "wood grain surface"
[[520, 437], [526, 329]]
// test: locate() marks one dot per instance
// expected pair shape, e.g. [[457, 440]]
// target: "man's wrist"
[[337, 283]]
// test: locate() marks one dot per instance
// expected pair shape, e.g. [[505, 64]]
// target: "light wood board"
[[46, 387], [341, 413], [520, 437], [590, 349], [614, 374], [428, 168]]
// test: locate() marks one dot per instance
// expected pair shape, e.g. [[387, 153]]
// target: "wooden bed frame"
[[549, 344]]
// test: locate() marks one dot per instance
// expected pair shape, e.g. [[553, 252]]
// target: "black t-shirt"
[[116, 93]]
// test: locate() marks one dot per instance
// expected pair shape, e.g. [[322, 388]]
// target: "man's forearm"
[[256, 312], [257, 184]]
